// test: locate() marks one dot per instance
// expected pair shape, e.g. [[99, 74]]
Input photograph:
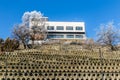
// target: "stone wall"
[[50, 64]]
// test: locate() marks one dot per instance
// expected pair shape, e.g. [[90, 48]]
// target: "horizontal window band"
[[66, 32]]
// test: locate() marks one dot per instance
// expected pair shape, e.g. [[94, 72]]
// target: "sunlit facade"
[[64, 30]]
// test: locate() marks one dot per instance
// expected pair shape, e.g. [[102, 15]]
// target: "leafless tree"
[[21, 33], [108, 35], [31, 28], [37, 30], [36, 25]]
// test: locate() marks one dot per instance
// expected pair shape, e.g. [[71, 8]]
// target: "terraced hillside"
[[59, 63]]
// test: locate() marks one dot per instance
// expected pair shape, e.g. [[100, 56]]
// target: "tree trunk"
[[112, 47], [24, 44]]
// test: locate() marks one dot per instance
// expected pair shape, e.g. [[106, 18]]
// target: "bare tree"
[[108, 35], [21, 33], [37, 30], [31, 28], [36, 24]]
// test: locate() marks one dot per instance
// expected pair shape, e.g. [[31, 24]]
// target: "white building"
[[64, 30]]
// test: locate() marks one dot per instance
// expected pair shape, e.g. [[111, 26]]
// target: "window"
[[51, 36], [60, 28], [79, 36], [59, 36], [79, 28], [55, 36], [69, 28], [70, 36], [50, 27]]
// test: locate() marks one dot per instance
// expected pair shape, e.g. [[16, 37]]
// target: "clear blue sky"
[[92, 12]]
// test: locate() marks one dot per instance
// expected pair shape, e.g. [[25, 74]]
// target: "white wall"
[[64, 24], [74, 24]]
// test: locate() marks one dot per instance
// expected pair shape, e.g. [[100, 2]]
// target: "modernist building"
[[64, 30]]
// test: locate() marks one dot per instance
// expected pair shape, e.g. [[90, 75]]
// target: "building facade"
[[64, 30]]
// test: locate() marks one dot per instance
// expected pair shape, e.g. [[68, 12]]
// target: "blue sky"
[[92, 12]]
